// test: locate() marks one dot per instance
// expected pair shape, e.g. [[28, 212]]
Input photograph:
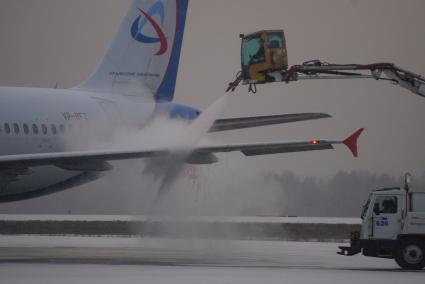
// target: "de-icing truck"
[[393, 226]]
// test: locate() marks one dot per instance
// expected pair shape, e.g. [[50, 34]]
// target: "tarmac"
[[73, 259]]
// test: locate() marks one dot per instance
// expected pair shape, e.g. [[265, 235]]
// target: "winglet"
[[351, 142]]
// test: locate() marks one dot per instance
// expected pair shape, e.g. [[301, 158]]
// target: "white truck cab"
[[393, 226]]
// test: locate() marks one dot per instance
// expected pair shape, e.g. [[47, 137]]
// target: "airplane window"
[[7, 128], [44, 129], [62, 128], [26, 128], [53, 128], [16, 128], [35, 128]]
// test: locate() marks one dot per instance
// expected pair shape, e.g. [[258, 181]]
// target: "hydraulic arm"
[[317, 70], [264, 60]]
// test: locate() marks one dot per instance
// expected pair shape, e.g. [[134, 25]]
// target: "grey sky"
[[49, 41]]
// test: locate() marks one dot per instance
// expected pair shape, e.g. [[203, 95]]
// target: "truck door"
[[386, 217]]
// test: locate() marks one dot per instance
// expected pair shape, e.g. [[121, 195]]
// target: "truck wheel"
[[411, 255]]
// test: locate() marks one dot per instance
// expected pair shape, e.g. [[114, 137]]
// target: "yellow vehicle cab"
[[263, 52]]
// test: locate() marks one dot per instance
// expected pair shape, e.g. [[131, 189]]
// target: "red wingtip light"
[[351, 142], [315, 142]]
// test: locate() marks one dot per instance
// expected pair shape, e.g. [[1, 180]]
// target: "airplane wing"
[[247, 122], [97, 160]]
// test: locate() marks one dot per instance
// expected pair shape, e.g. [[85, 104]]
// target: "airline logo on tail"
[[138, 27]]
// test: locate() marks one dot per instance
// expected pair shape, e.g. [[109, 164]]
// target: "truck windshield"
[[365, 207], [252, 51]]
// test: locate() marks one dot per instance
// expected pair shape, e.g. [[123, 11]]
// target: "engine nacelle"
[[178, 111]]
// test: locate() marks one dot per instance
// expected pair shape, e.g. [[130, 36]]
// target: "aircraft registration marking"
[[75, 116]]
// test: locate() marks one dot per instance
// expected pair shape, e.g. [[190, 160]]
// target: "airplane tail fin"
[[145, 51]]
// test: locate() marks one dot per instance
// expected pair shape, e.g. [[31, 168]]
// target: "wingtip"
[[326, 115], [351, 142]]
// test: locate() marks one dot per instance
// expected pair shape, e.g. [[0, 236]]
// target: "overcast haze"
[[45, 42]]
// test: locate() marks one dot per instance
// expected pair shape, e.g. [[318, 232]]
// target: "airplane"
[[134, 83]]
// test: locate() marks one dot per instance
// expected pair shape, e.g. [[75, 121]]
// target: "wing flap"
[[256, 121], [268, 148], [299, 147]]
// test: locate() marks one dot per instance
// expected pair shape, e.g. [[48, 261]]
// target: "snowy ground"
[[40, 259]]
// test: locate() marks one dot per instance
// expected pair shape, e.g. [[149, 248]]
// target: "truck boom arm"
[[317, 70]]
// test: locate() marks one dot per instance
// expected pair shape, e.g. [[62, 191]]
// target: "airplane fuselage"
[[51, 120], [37, 120]]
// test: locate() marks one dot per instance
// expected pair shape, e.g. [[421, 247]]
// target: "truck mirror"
[[376, 209], [407, 181], [408, 178]]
